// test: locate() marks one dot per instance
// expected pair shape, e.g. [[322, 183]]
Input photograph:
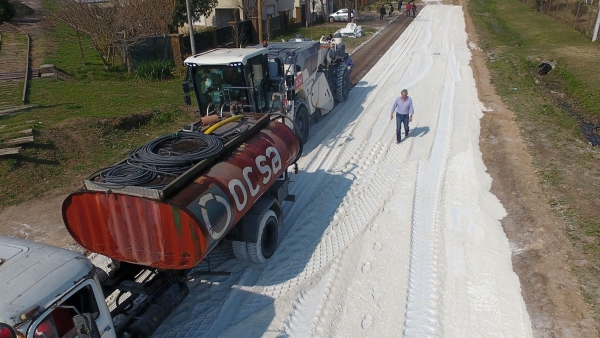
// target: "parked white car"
[[341, 15]]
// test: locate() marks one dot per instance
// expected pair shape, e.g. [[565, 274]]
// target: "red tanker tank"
[[178, 232]]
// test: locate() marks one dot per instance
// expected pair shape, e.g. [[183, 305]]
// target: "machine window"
[[217, 85], [59, 323]]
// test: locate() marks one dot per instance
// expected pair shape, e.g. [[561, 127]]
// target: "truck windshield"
[[219, 85], [59, 322]]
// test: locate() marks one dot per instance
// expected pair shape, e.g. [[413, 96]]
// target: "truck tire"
[[240, 250], [343, 83], [266, 244], [303, 121]]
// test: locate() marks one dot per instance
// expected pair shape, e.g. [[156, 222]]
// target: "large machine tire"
[[266, 244], [343, 83], [240, 250], [302, 121]]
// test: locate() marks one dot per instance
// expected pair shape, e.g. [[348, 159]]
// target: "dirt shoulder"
[[540, 247]]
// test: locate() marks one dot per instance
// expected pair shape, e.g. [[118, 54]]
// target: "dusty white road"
[[384, 239]]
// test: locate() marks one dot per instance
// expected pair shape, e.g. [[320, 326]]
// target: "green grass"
[[84, 124], [526, 34], [96, 92], [516, 39]]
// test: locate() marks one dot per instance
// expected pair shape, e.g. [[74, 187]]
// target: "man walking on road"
[[408, 10], [403, 107]]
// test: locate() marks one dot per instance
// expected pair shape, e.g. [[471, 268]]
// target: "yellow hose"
[[222, 123]]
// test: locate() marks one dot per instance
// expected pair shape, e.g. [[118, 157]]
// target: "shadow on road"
[[419, 131]]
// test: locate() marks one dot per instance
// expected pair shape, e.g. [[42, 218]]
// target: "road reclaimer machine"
[[300, 79]]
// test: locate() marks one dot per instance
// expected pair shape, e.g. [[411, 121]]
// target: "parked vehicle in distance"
[[341, 15]]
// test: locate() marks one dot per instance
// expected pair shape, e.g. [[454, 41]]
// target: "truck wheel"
[[303, 122], [240, 250], [343, 83], [266, 244]]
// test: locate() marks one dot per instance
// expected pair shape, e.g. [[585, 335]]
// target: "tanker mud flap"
[[247, 229]]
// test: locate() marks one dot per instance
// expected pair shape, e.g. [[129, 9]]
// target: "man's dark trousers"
[[401, 119]]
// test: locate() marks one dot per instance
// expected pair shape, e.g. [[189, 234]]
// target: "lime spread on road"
[[384, 239]]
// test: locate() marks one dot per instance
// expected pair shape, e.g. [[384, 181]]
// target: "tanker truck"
[[301, 79], [148, 221]]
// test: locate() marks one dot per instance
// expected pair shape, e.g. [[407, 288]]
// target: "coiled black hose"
[[123, 174], [169, 155], [174, 154], [296, 130]]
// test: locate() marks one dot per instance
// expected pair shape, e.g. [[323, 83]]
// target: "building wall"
[[221, 15]]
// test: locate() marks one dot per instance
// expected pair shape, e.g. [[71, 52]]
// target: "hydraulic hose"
[[222, 123], [296, 130], [169, 161]]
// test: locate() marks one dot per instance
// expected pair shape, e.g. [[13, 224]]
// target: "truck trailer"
[[152, 217]]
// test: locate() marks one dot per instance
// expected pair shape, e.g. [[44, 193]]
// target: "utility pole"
[[597, 26], [191, 26], [260, 33]]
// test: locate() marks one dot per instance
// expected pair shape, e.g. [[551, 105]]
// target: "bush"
[[7, 10], [154, 70]]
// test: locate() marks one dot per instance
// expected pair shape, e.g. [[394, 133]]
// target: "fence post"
[[176, 47], [597, 25], [214, 38], [255, 30], [269, 28]]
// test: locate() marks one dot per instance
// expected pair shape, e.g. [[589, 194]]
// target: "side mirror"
[[86, 326], [7, 331]]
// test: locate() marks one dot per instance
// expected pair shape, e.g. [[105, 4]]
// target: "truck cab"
[[223, 76], [44, 288]]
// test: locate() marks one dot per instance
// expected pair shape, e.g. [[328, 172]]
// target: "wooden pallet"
[[9, 140]]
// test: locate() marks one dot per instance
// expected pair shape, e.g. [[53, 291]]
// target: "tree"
[[114, 24], [199, 8], [7, 10], [323, 9], [97, 20], [248, 7]]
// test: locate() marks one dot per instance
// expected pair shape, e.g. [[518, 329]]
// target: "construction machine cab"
[[221, 77]]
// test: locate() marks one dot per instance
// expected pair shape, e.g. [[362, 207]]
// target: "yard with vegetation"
[[85, 123], [552, 111]]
